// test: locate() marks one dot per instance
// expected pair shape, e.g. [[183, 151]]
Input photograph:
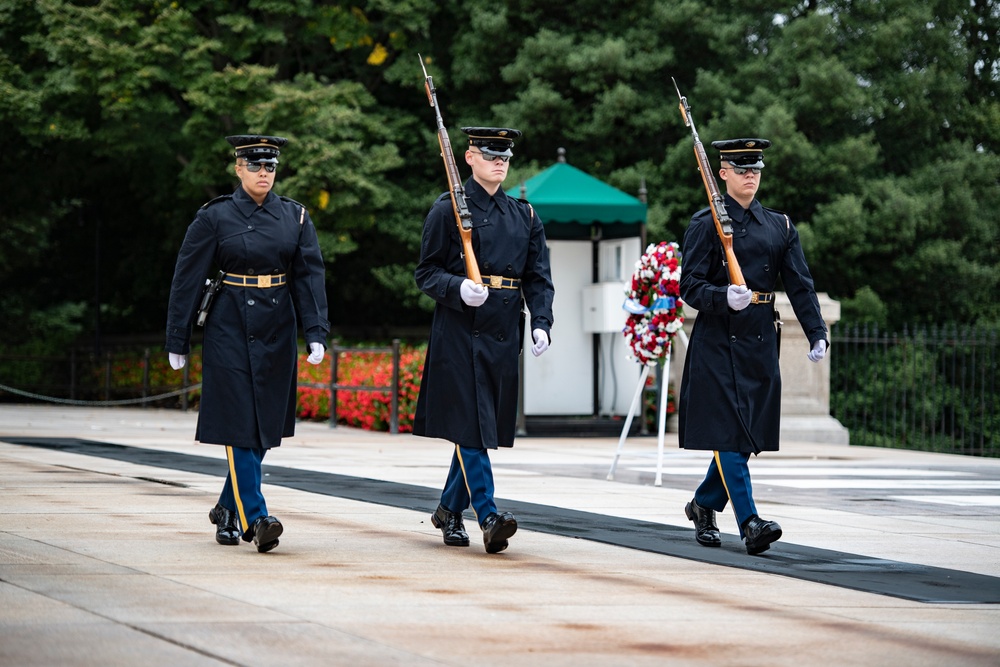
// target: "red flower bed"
[[364, 409]]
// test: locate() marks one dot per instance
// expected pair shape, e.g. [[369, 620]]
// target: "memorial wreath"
[[652, 299]]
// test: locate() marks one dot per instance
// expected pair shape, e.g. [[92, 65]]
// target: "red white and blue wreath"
[[652, 299]]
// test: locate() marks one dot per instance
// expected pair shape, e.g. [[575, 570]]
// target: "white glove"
[[316, 353], [818, 352], [177, 361], [738, 296], [472, 294], [541, 342]]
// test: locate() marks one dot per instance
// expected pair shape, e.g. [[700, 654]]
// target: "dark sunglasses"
[[491, 158], [254, 167], [739, 171]]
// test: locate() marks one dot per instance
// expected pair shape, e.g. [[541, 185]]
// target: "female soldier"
[[267, 248]]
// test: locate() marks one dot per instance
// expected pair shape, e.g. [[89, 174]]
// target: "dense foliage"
[[884, 114]]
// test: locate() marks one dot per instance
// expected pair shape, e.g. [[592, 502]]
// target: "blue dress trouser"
[[470, 481], [728, 479], [241, 492]]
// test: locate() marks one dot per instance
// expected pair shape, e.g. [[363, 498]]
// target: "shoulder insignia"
[[788, 221], [531, 209], [302, 211], [216, 200]]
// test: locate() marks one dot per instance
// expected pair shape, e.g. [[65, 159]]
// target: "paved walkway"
[[107, 556]]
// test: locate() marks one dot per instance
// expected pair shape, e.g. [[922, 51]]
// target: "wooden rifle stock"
[[455, 188], [723, 225]]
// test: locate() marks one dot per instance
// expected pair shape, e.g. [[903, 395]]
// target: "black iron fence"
[[932, 389], [136, 377]]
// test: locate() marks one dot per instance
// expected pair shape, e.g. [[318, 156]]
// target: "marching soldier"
[[468, 394], [730, 399], [266, 246]]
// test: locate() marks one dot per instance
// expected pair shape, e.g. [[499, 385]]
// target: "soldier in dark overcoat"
[[266, 246], [730, 398], [468, 393]]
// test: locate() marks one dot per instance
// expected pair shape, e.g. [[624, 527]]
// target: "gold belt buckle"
[[496, 282], [264, 281]]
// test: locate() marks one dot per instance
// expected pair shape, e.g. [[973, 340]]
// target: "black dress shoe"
[[451, 526], [266, 530], [758, 534], [496, 530], [706, 530], [226, 531]]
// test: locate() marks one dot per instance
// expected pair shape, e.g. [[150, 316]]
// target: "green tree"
[[884, 115]]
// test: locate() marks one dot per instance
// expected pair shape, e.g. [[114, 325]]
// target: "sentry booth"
[[595, 234]]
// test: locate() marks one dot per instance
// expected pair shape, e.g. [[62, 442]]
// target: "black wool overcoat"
[[250, 355], [730, 398], [468, 392]]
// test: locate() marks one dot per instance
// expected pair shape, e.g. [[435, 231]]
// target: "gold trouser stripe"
[[465, 478], [718, 464], [236, 489]]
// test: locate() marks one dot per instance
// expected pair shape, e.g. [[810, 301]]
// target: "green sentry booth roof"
[[570, 202]]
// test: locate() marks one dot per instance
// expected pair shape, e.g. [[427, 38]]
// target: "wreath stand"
[[664, 384]]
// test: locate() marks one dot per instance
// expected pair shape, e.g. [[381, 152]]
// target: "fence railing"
[[931, 389], [334, 385], [118, 378], [133, 377]]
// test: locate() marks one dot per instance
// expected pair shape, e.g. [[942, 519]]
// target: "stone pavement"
[[107, 556]]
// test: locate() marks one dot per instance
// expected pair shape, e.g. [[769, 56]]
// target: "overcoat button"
[[510, 268], [506, 300], [274, 339], [273, 300], [475, 334], [759, 337], [249, 226], [249, 302], [251, 339], [732, 339], [250, 272], [500, 337], [486, 266], [767, 267]]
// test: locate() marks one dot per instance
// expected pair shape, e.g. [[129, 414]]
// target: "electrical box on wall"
[[602, 308]]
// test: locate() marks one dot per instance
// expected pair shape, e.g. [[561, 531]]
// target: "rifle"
[[211, 287], [723, 225], [457, 191]]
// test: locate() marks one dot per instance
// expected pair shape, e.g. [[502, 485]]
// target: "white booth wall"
[[562, 381]]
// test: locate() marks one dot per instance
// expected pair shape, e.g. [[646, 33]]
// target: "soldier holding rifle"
[[730, 398], [483, 257]]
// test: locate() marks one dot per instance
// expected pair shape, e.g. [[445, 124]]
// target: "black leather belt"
[[263, 281]]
